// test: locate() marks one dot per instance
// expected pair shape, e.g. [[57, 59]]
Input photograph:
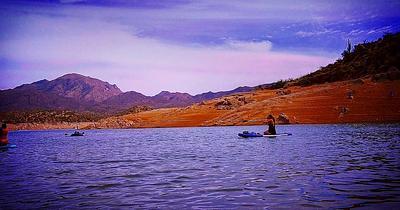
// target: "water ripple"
[[320, 166]]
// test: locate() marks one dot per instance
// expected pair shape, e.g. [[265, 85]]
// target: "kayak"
[[248, 135], [8, 146], [253, 134]]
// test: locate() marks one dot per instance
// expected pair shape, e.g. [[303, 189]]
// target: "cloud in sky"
[[187, 46], [256, 46]]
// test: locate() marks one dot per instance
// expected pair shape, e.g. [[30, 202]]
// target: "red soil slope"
[[356, 101]]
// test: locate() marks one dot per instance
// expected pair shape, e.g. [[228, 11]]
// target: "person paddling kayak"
[[271, 126], [4, 135]]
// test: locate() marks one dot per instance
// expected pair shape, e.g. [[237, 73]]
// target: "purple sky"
[[186, 46]]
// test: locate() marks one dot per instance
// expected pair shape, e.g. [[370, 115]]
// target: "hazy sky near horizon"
[[182, 45]]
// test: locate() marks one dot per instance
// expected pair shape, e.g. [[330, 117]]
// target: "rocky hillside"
[[379, 59]]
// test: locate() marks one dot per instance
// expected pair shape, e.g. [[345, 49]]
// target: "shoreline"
[[12, 126]]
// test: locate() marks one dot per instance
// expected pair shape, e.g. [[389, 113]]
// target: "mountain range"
[[82, 93]]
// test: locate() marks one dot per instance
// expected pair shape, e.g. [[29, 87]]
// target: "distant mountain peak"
[[82, 87], [164, 92], [69, 75], [76, 76]]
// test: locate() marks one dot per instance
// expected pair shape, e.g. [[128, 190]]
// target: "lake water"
[[319, 166]]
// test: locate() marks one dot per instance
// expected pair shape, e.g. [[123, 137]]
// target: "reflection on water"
[[320, 166]]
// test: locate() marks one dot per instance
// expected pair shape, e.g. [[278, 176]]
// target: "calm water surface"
[[320, 166]]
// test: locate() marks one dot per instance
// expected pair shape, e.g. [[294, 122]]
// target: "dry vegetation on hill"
[[379, 59]]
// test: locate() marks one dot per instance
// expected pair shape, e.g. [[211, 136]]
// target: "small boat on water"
[[77, 133]]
